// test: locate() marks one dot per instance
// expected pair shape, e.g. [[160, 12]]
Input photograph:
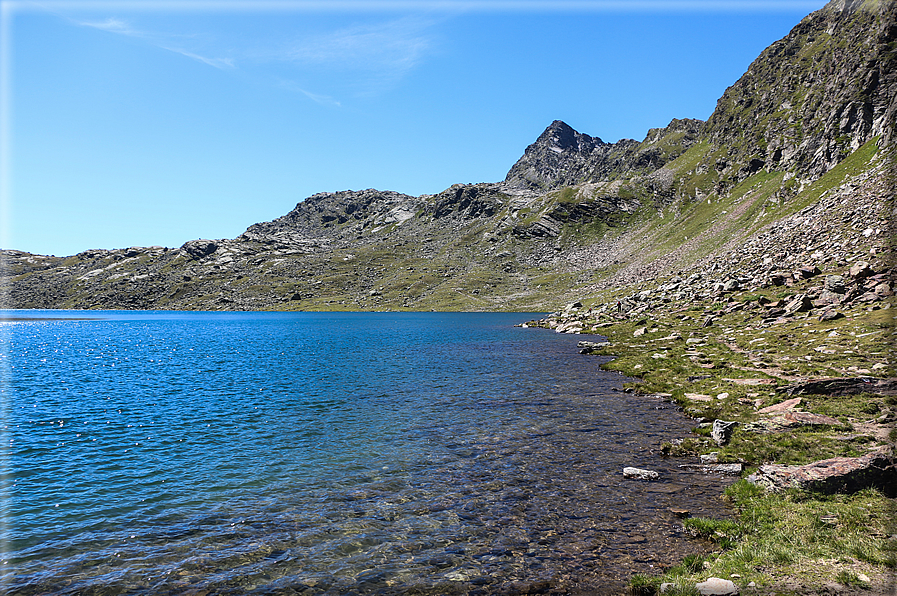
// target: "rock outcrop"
[[836, 475], [813, 97]]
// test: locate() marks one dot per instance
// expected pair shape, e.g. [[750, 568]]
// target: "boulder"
[[883, 289], [835, 283], [830, 315], [807, 272], [722, 431], [800, 303], [723, 469], [876, 469], [196, 249], [586, 347], [715, 586], [861, 270]]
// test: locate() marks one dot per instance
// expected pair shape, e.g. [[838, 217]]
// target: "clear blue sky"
[[154, 123]]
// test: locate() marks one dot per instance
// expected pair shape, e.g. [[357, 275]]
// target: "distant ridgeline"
[[813, 117]]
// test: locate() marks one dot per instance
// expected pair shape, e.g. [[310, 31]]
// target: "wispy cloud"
[[372, 56], [375, 54], [113, 25], [169, 42], [221, 63], [324, 100]]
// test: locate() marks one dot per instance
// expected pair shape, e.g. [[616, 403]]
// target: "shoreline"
[[697, 353]]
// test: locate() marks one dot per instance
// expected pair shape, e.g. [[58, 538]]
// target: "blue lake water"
[[327, 453]]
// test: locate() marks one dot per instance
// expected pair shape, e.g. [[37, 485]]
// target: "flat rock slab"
[[792, 419], [698, 397], [842, 386], [795, 418], [877, 469], [725, 469], [751, 382], [789, 404]]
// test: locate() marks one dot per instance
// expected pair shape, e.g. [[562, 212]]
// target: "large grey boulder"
[[197, 249]]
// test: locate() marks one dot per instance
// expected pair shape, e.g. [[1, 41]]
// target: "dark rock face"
[[814, 96], [837, 475], [467, 200], [559, 157], [326, 215], [563, 157]]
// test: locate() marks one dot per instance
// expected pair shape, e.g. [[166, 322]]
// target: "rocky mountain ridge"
[[573, 216]]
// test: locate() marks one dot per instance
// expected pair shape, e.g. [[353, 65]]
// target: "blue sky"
[[153, 123]]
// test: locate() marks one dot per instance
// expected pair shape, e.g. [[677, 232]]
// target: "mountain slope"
[[572, 217]]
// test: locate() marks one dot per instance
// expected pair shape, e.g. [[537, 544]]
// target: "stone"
[[722, 431], [835, 284], [808, 272], [724, 469], [830, 315], [788, 404], [828, 297], [197, 249], [876, 469], [883, 289], [639, 332], [800, 303], [710, 458], [586, 347], [841, 386], [715, 586], [731, 286], [861, 270], [698, 397], [640, 474], [809, 419], [751, 382]]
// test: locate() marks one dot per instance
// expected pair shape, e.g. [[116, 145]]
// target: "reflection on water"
[[332, 454]]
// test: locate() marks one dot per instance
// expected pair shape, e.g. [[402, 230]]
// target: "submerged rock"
[[640, 474]]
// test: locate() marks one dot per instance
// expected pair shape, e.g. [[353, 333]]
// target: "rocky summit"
[[793, 169]]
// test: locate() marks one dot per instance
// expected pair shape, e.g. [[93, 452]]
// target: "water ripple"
[[226, 453]]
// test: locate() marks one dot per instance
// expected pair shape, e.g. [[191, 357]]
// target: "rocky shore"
[[781, 350]]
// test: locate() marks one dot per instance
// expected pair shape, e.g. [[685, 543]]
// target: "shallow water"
[[316, 453]]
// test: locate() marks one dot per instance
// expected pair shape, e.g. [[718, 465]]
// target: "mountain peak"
[[562, 136]]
